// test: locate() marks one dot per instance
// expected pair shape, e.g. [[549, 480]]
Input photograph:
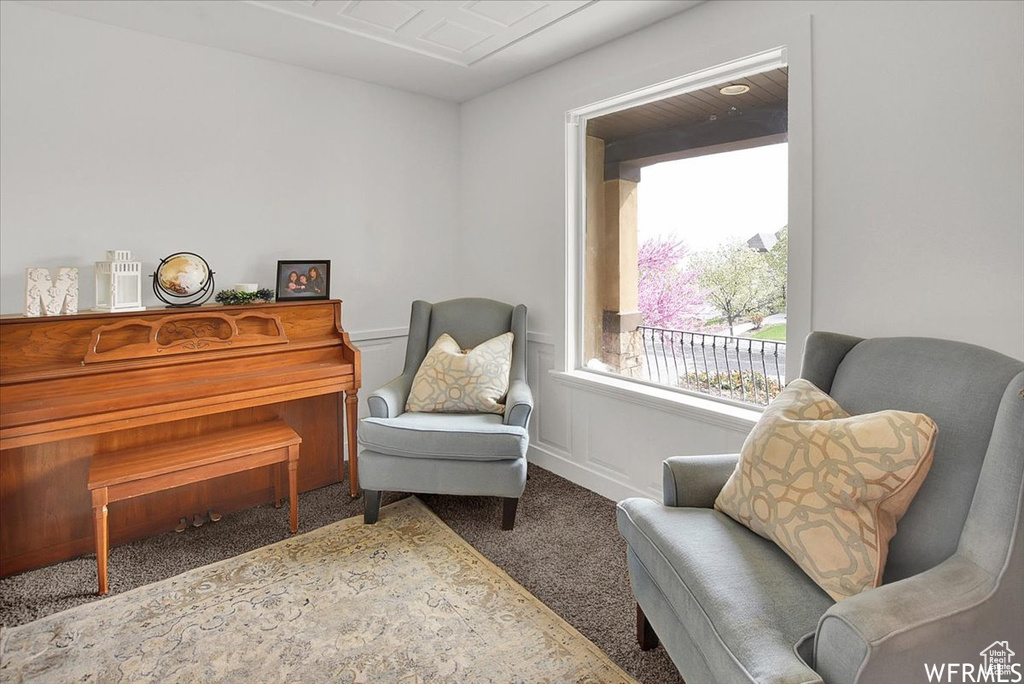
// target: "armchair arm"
[[947, 614], [389, 401], [695, 481], [518, 404]]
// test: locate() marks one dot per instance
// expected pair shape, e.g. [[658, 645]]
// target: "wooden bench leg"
[[293, 487], [99, 510], [278, 473]]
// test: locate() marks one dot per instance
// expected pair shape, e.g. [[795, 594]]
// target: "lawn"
[[772, 332]]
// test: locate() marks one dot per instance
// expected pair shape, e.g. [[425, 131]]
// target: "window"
[[680, 234]]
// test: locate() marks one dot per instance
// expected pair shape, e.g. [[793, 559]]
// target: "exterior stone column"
[[621, 343]]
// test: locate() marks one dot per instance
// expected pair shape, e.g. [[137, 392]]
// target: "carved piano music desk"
[[75, 386]]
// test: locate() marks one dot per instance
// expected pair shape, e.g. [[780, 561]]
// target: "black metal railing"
[[740, 368]]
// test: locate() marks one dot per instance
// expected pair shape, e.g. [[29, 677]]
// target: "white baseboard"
[[599, 483]]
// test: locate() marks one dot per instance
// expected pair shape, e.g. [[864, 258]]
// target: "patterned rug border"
[[411, 502]]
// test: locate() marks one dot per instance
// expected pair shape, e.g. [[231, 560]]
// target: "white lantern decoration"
[[119, 282]]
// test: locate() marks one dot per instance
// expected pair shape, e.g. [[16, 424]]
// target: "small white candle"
[[247, 287]]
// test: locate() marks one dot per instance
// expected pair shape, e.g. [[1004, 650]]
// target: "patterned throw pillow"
[[454, 380], [828, 487]]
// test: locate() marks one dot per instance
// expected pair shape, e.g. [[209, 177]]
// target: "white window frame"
[[794, 52]]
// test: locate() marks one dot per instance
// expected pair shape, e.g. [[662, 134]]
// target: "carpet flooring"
[[565, 550]]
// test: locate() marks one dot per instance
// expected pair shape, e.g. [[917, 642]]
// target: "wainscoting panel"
[[551, 428], [607, 444], [383, 355]]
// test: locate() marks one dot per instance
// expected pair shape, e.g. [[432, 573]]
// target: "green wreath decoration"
[[234, 297]]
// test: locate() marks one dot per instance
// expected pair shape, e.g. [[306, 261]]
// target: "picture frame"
[[303, 280]]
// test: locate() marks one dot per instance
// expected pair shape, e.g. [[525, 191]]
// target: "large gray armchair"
[[482, 454], [730, 606]]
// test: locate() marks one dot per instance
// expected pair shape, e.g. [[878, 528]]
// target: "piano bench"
[[120, 475]]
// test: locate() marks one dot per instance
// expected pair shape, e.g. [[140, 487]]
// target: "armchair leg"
[[645, 635], [508, 513], [371, 506]]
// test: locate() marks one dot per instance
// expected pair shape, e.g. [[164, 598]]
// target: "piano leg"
[[351, 416], [293, 487], [99, 509]]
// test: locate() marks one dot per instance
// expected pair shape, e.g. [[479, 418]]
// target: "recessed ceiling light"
[[735, 89]]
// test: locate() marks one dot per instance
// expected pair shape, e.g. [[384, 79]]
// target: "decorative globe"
[[183, 279]]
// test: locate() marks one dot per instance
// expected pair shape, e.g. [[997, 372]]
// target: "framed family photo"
[[303, 280]]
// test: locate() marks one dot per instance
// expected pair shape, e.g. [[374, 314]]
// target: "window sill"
[[695, 408]]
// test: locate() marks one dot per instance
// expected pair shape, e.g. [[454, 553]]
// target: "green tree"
[[737, 280], [777, 258]]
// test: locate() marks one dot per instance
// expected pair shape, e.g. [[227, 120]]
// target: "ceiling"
[[450, 49], [767, 90]]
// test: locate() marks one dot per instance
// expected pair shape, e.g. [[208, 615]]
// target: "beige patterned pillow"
[[453, 380], [828, 487]]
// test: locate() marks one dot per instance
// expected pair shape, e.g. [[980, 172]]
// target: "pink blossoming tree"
[[669, 295]]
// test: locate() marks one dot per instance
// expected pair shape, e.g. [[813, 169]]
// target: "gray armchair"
[[730, 606], [482, 454]]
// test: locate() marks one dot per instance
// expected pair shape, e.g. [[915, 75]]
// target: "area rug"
[[405, 600]]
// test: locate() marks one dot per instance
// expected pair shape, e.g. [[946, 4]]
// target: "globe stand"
[[174, 300]]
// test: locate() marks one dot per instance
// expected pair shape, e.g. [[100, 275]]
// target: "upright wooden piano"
[[75, 386]]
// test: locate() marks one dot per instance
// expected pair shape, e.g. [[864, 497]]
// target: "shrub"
[[757, 318], [751, 386]]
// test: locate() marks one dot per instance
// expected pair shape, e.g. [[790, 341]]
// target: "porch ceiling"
[[767, 90]]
